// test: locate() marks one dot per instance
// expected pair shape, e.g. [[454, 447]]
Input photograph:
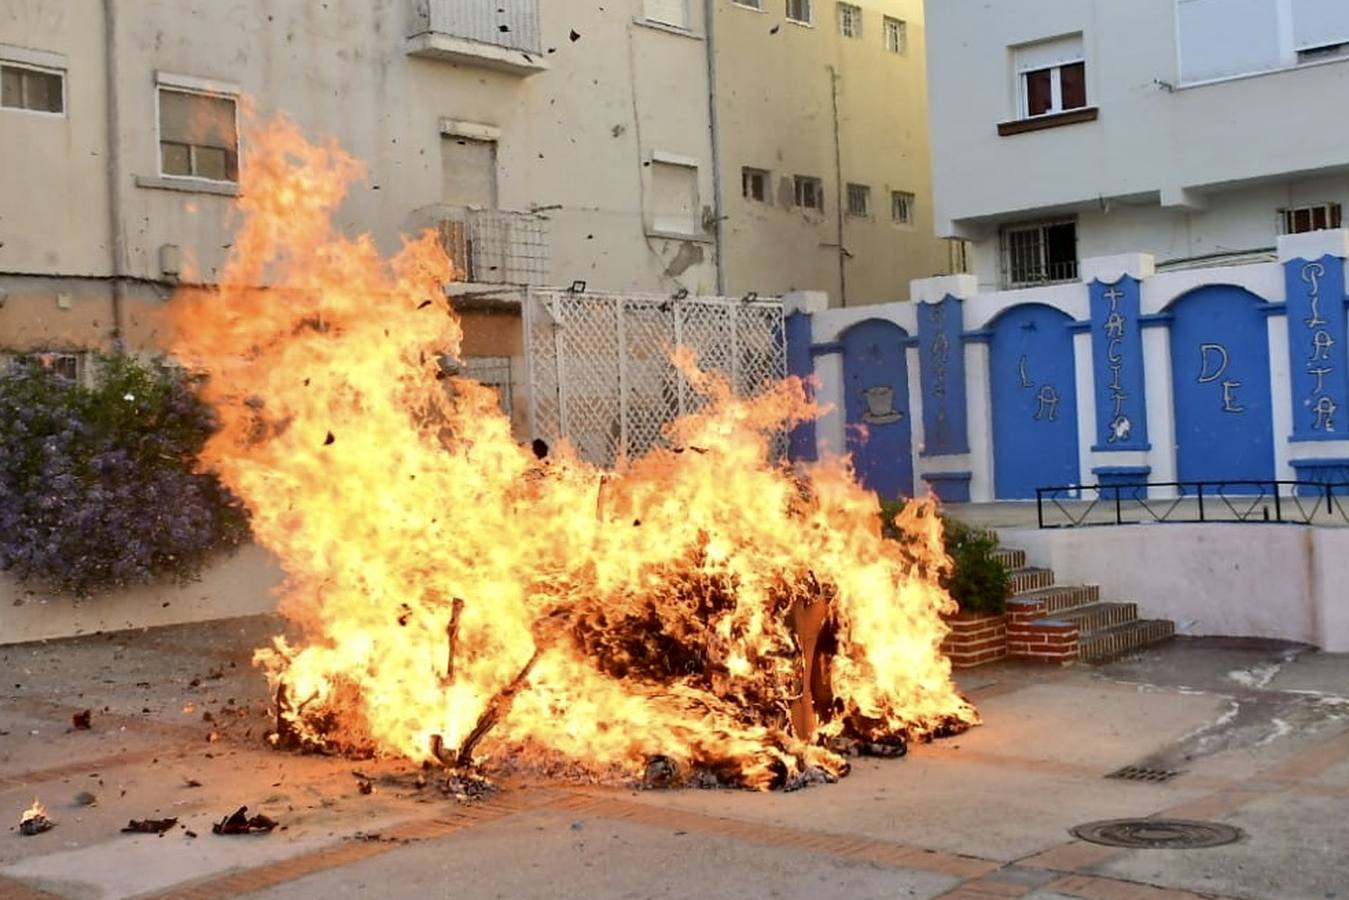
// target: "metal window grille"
[[850, 20], [800, 11], [63, 365], [494, 372], [599, 366], [496, 247], [754, 184], [504, 23], [859, 200], [896, 35], [1316, 217], [901, 207], [1039, 253]]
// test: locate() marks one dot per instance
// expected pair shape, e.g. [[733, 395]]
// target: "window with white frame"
[[850, 20], [668, 12], [901, 207], [809, 192], [896, 35], [674, 196], [754, 184], [859, 201], [800, 11], [198, 135], [1316, 217], [1051, 77], [1039, 252], [34, 88]]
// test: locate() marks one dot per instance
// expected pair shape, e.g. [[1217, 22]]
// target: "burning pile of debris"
[[691, 617]]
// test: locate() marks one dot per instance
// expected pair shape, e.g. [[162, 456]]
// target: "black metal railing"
[[1242, 500]]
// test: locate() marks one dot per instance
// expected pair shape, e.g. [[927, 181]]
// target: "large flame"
[[460, 599]]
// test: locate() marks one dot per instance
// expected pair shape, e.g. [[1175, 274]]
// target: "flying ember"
[[703, 610]]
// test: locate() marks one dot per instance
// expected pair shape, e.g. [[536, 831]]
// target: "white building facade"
[[1195, 131]]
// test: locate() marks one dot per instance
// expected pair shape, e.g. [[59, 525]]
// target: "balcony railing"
[[498, 34], [490, 246]]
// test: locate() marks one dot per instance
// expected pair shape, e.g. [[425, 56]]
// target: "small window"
[[754, 184], [896, 36], [668, 12], [675, 197], [800, 11], [60, 365], [859, 201], [1301, 219], [850, 20], [809, 192], [901, 207], [1039, 253], [752, 4], [27, 87], [198, 136], [1052, 77], [1325, 51]]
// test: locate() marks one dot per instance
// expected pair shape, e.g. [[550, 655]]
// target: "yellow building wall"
[[784, 93]]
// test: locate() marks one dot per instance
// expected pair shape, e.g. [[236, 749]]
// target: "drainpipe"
[[709, 20], [116, 240], [838, 198]]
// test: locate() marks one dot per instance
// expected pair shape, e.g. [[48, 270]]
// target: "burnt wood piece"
[[496, 709], [451, 637]]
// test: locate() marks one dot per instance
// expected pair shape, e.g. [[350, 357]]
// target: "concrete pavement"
[[1259, 732]]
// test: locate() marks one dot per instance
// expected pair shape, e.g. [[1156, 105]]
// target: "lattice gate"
[[599, 364]]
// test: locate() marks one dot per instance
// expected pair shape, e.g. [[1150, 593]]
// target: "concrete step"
[[1096, 617], [1030, 578], [1059, 598], [1121, 640], [1010, 557]]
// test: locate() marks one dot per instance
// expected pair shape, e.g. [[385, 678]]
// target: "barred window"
[[809, 192], [850, 20], [901, 207], [1039, 253], [896, 35], [1301, 219], [859, 200]]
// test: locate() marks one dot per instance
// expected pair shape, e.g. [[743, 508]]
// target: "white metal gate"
[[599, 364]]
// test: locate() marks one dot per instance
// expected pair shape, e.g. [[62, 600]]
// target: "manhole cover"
[[1158, 834]]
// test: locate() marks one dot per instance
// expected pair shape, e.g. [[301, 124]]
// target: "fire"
[[34, 820], [702, 609]]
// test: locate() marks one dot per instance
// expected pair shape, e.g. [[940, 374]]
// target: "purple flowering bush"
[[97, 484]]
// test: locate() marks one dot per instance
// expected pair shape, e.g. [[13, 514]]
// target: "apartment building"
[[1197, 131], [822, 145], [549, 142]]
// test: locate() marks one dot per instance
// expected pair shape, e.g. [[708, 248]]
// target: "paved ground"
[[1260, 733]]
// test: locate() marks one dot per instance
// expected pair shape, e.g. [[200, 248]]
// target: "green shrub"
[[98, 488], [978, 580]]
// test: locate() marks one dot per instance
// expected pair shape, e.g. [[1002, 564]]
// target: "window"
[[1219, 39], [1039, 253], [896, 36], [468, 172], [1301, 219], [493, 372], [800, 11], [31, 88], [674, 197], [901, 207], [1052, 77], [850, 20], [809, 192], [668, 12], [58, 364], [754, 184], [752, 4], [198, 136], [859, 200]]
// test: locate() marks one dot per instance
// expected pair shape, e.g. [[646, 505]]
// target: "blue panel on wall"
[[1034, 401], [942, 359], [801, 439], [876, 406], [1316, 345], [1220, 371], [1117, 355]]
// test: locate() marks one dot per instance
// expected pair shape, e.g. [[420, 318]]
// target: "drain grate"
[[1158, 834], [1143, 773]]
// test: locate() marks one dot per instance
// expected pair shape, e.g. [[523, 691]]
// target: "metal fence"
[[506, 23], [492, 246], [1143, 502], [600, 373]]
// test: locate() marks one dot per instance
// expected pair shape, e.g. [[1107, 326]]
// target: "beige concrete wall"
[[776, 111], [575, 140]]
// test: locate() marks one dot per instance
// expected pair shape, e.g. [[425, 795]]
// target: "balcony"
[[493, 34], [491, 246]]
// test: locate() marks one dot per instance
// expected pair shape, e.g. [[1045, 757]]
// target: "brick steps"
[[1121, 640], [1060, 598], [1096, 617], [1010, 557], [1030, 578]]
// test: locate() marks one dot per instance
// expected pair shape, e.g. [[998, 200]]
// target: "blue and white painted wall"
[[1230, 373]]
